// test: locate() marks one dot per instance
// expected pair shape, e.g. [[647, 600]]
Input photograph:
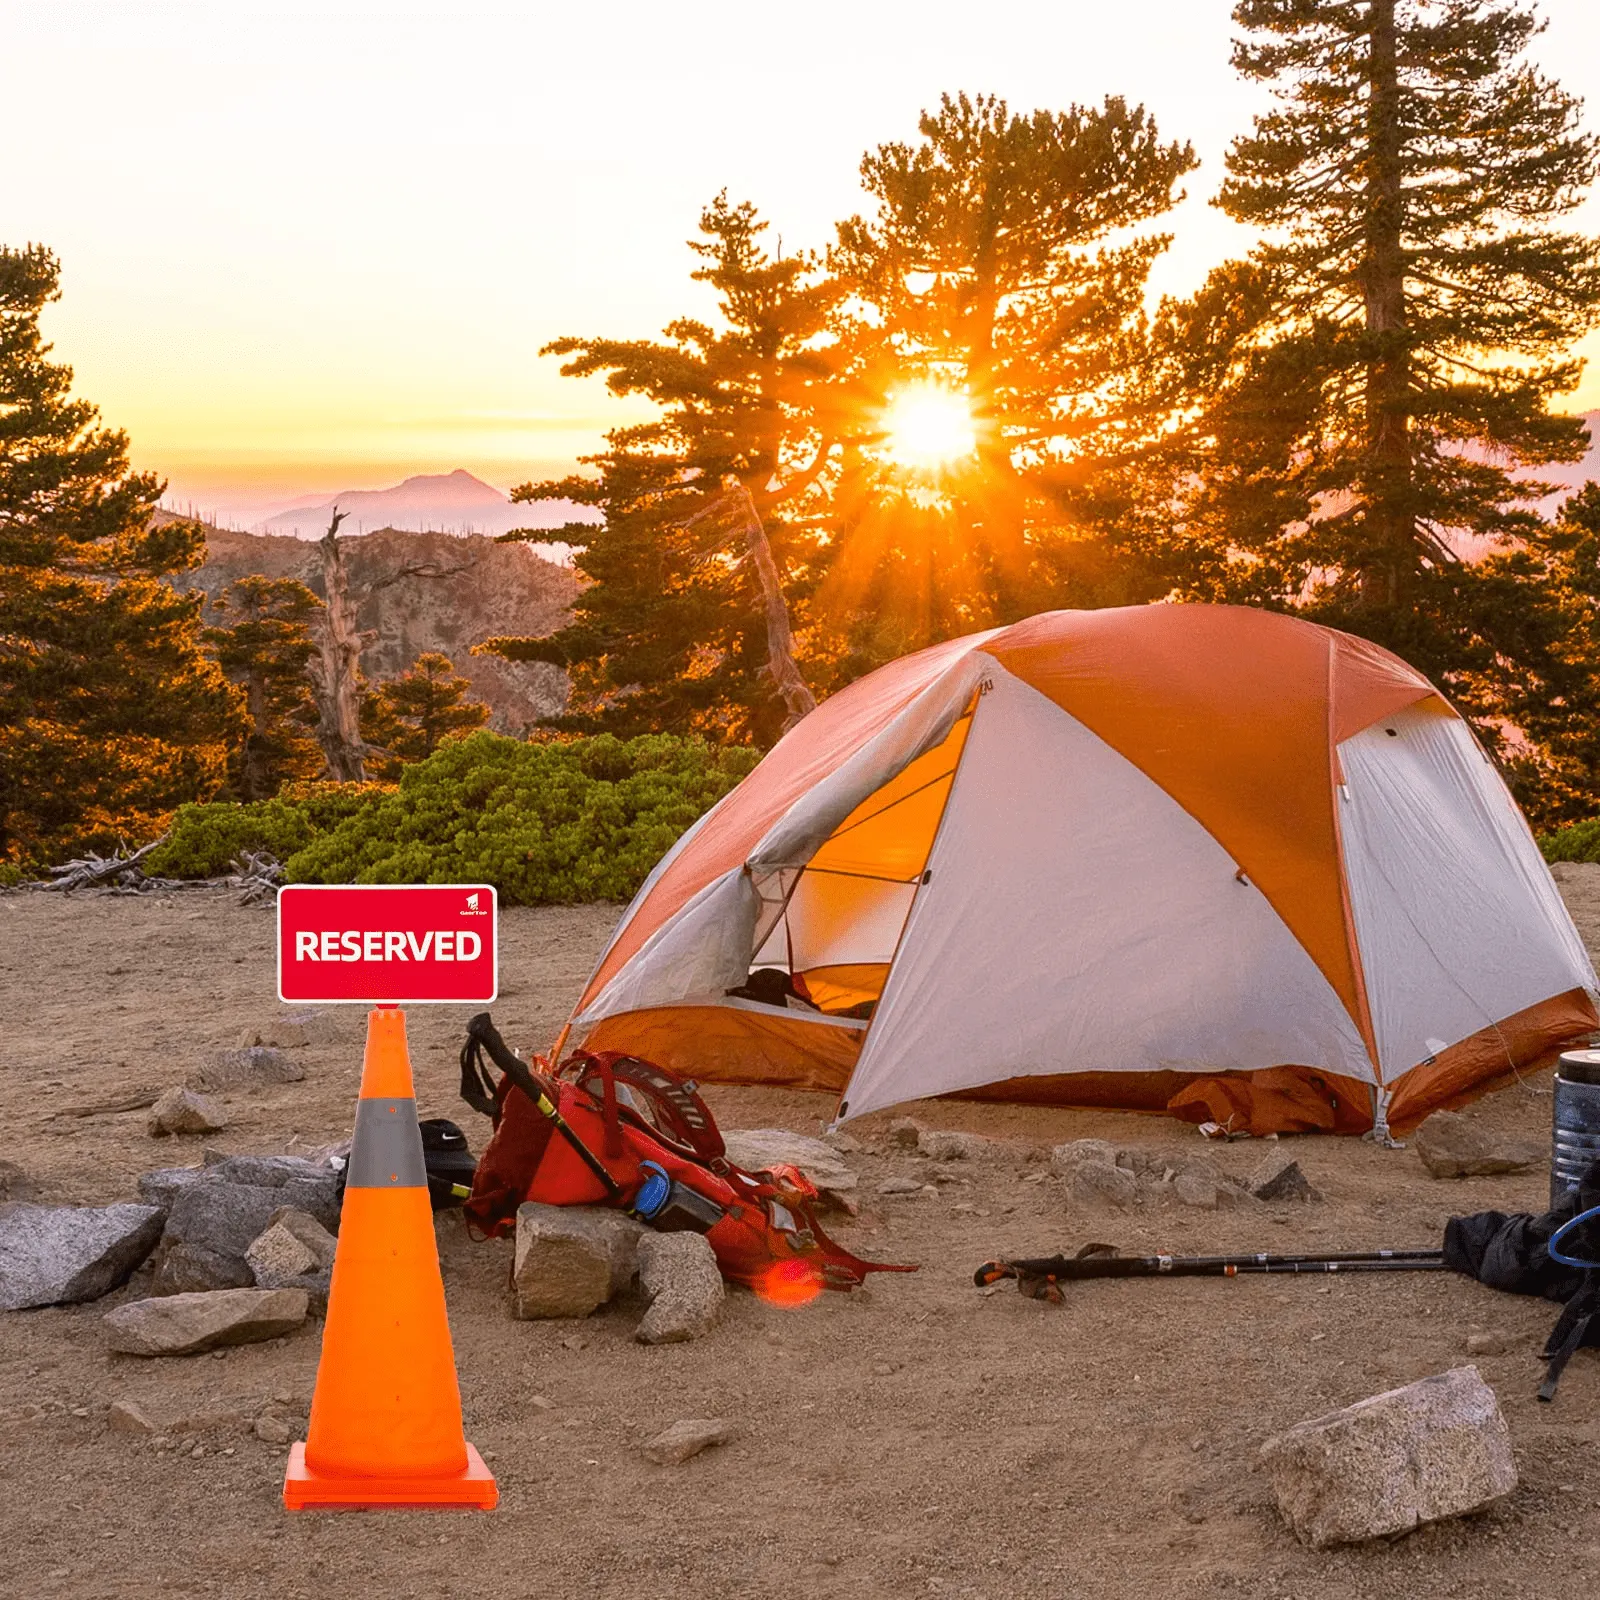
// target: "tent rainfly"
[[1200, 859]]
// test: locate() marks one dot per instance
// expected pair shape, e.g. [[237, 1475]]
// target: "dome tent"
[[1194, 858]]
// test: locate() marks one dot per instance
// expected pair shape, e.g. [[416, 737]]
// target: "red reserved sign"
[[397, 943]]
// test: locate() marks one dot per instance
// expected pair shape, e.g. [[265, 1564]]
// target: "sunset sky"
[[309, 248]]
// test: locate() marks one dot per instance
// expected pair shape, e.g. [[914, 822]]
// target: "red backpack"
[[609, 1129]]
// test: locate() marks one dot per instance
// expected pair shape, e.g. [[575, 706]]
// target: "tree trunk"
[[780, 641], [337, 678], [1387, 474], [252, 774]]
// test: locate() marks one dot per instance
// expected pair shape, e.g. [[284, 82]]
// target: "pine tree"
[[670, 632], [265, 646], [998, 264], [1376, 379], [111, 714], [407, 718]]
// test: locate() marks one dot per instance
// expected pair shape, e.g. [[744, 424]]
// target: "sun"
[[928, 425]]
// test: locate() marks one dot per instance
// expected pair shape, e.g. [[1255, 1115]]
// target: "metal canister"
[[1575, 1136]]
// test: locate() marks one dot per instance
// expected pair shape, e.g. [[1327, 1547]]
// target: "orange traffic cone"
[[386, 1416]]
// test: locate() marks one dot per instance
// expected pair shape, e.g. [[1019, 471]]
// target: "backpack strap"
[[1576, 1327]]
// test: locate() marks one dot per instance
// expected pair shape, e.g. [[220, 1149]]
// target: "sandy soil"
[[916, 1438]]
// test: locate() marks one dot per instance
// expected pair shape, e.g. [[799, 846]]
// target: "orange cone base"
[[305, 1490]]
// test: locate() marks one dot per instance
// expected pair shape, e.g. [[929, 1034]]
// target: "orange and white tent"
[[1192, 858]]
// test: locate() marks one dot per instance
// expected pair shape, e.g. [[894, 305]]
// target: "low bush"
[[1580, 842], [584, 819]]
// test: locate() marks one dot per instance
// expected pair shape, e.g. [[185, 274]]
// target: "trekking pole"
[[1040, 1277], [483, 1033]]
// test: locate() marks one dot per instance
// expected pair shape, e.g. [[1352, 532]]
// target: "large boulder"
[[570, 1260], [1436, 1448], [1451, 1146], [186, 1324], [679, 1272], [294, 1252], [60, 1255]]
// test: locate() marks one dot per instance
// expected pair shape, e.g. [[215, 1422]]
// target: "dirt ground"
[[914, 1438]]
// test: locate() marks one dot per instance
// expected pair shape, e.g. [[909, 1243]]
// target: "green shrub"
[[1580, 842], [578, 820]]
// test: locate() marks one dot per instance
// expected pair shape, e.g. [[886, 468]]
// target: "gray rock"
[[1067, 1158], [60, 1255], [1482, 1343], [126, 1417], [891, 1186], [272, 1430], [187, 1324], [293, 1030], [1280, 1178], [905, 1132], [679, 1272], [160, 1188], [685, 1439], [250, 1068], [1142, 1163], [183, 1111], [1452, 1147], [192, 1269], [1096, 1183], [1437, 1448], [572, 1259], [759, 1149], [942, 1145]]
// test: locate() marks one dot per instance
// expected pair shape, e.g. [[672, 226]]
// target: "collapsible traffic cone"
[[386, 1416]]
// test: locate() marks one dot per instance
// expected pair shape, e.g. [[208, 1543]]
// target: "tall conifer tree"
[[670, 633], [997, 261], [264, 645], [111, 713], [1376, 379]]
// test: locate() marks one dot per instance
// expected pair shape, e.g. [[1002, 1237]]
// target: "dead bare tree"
[[336, 671], [737, 505], [336, 680]]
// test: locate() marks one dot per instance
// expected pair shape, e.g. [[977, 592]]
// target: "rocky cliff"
[[427, 591]]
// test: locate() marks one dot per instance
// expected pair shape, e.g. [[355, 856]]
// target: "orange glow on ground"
[[789, 1284]]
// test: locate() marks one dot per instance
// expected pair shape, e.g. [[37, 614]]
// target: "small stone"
[[900, 1186], [1480, 1343], [277, 1255], [1067, 1158], [1451, 1146], [252, 1067], [1433, 1449], [679, 1272], [540, 1403], [272, 1430], [1094, 1183], [1279, 1178], [905, 1133], [685, 1439], [1194, 1188], [126, 1417], [942, 1145], [15, 1184], [571, 1259], [183, 1111], [61, 1255], [187, 1324]]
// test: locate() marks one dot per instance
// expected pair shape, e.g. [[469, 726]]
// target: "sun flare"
[[929, 426]]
